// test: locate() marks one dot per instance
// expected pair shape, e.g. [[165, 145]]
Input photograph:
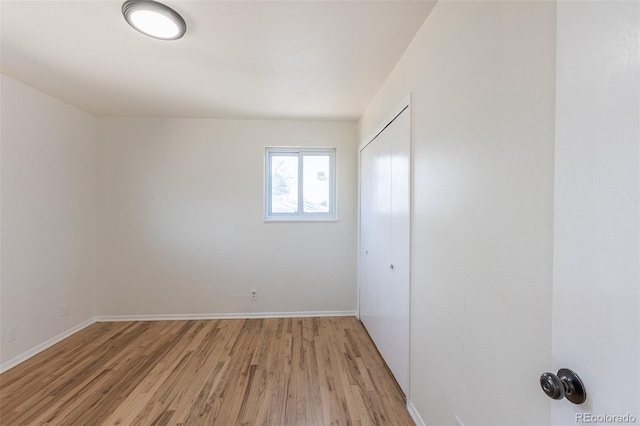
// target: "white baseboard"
[[41, 347], [414, 414], [246, 315]]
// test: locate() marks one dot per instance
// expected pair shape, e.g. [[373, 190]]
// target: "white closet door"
[[385, 244], [398, 296], [368, 246]]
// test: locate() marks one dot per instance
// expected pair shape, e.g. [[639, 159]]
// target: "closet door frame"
[[404, 105]]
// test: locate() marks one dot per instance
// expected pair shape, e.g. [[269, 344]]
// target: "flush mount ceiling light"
[[154, 19]]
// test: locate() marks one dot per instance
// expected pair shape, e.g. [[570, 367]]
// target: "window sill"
[[298, 220]]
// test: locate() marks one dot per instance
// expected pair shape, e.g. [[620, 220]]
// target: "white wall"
[[180, 220], [48, 217], [597, 222], [482, 80]]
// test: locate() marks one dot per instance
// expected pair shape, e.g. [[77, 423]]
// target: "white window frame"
[[300, 216]]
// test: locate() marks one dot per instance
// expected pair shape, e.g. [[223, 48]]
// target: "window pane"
[[316, 192], [284, 184]]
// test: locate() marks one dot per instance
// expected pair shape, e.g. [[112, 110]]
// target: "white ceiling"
[[239, 59]]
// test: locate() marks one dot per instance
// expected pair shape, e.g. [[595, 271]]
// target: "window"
[[300, 184]]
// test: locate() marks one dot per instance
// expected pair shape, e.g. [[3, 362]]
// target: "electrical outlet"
[[457, 420], [254, 295], [12, 333], [63, 309]]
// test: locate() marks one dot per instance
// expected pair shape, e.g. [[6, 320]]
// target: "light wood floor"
[[302, 371]]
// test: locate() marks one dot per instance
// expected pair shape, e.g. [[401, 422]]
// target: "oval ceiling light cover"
[[154, 19]]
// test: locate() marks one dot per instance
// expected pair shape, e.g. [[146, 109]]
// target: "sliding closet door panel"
[[368, 234], [382, 334], [399, 296]]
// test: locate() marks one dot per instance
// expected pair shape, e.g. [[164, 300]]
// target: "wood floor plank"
[[290, 371]]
